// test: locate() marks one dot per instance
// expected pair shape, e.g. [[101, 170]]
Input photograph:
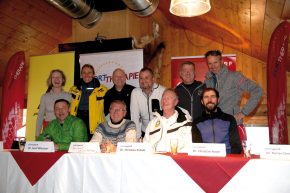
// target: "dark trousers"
[[142, 134], [84, 115]]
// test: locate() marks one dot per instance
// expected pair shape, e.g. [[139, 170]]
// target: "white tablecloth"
[[104, 173], [261, 176], [112, 173]]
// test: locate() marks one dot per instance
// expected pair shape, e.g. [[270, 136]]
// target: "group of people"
[[193, 112]]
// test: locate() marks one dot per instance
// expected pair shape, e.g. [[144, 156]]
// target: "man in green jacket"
[[65, 128]]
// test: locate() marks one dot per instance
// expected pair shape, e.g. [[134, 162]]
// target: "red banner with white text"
[[277, 84], [13, 95]]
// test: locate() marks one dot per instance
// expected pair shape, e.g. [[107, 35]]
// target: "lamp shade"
[[189, 8]]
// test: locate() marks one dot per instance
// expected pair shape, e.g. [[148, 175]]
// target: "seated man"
[[118, 129], [65, 128], [171, 123], [215, 126]]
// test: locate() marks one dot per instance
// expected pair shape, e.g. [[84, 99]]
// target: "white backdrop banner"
[[131, 61]]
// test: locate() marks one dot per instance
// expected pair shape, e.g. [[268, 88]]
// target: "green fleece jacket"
[[72, 130]]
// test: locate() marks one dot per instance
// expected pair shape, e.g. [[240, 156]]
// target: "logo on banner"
[[108, 78], [13, 119], [13, 98], [276, 75], [104, 63]]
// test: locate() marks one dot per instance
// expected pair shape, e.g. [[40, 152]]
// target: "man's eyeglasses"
[[118, 110]]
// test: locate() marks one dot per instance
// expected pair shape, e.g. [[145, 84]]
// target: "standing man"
[[145, 100], [189, 91], [170, 123], [88, 99], [120, 91], [215, 126], [65, 128], [231, 86]]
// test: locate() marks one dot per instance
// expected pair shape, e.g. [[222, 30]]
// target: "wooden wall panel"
[[111, 25], [257, 11], [243, 22]]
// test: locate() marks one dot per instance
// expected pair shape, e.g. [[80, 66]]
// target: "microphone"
[[155, 105]]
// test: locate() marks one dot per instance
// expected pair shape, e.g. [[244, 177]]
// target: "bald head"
[[119, 78]]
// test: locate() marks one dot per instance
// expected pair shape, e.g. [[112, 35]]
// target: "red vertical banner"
[[277, 84], [13, 98]]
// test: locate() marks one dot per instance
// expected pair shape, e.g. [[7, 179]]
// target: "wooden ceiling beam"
[[286, 10]]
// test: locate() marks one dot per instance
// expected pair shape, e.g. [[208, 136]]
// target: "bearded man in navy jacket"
[[215, 126]]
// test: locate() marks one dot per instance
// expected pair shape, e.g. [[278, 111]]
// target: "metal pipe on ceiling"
[[82, 10], [85, 10], [142, 7]]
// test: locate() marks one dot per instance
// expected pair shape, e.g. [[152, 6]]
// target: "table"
[[72, 172]]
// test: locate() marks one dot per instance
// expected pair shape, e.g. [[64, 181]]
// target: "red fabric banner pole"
[[277, 84], [13, 96]]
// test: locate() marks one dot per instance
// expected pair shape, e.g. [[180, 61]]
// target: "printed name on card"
[[84, 147], [39, 146], [276, 152], [124, 147], [207, 149]]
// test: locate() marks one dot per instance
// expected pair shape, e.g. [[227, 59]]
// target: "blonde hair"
[[49, 79]]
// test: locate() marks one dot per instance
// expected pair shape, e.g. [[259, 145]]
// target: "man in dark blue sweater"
[[215, 126], [120, 91]]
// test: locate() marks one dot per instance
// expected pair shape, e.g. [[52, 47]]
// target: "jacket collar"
[[223, 70], [180, 118], [95, 83], [124, 87], [213, 114]]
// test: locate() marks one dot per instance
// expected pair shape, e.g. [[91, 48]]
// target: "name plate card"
[[84, 147], [1, 145], [126, 147], [207, 149], [39, 146], [276, 152]]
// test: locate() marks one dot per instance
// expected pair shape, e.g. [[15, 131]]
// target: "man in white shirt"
[[145, 100], [170, 123]]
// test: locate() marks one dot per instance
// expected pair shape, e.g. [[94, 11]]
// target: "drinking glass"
[[246, 148], [173, 146], [21, 143]]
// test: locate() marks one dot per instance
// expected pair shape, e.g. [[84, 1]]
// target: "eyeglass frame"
[[117, 110]]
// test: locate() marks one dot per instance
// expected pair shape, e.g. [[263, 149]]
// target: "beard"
[[212, 108]]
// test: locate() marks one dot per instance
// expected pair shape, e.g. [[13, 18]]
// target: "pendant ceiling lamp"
[[189, 8]]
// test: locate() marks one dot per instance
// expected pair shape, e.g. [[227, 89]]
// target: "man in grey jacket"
[[231, 86]]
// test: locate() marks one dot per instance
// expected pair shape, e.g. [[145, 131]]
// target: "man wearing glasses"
[[117, 129]]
